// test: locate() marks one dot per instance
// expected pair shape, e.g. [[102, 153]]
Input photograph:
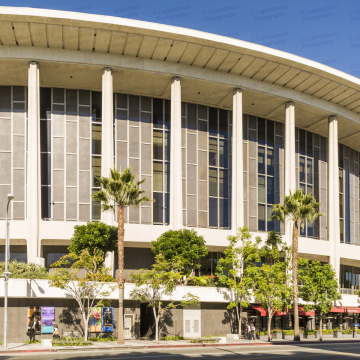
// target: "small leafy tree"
[[233, 270], [183, 249], [272, 290], [297, 209], [121, 190], [320, 287], [88, 291], [152, 286], [94, 236]]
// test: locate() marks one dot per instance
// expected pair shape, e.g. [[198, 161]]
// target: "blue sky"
[[324, 31]]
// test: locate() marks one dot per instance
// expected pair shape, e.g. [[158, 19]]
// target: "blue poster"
[[47, 317], [107, 319]]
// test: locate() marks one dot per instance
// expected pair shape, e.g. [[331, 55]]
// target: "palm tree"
[[120, 190], [298, 208]]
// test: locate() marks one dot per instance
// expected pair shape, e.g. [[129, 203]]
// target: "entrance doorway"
[[192, 323], [129, 327]]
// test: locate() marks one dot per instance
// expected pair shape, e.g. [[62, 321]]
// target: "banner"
[[107, 319], [47, 316], [95, 319]]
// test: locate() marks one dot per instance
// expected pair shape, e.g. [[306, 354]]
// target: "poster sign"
[[95, 319], [107, 319], [47, 316], [34, 312]]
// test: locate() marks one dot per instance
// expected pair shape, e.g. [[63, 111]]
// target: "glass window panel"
[[96, 169], [212, 152], [261, 218], [309, 170], [84, 97], [45, 102], [223, 128], [191, 116], [121, 101], [302, 169], [58, 96], [341, 181], [261, 189], [270, 133], [202, 112], [261, 133], [223, 213], [341, 203], [45, 136], [45, 169], [95, 208], [270, 223], [145, 103], [270, 162], [167, 208], [213, 188], [71, 102], [167, 177], [134, 110], [213, 119], [223, 183], [157, 176], [158, 204], [302, 141], [167, 145], [96, 105], [303, 188], [341, 156], [310, 230], [342, 231], [158, 144], [270, 190], [45, 202], [213, 212], [261, 160], [223, 153], [96, 139], [310, 189], [167, 114], [309, 144]]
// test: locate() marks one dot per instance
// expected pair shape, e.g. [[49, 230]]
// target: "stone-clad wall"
[[65, 316]]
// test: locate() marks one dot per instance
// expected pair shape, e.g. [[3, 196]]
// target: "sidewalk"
[[148, 344]]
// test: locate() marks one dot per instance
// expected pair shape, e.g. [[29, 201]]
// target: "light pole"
[[6, 272]]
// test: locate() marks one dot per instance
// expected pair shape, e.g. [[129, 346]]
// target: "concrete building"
[[221, 128]]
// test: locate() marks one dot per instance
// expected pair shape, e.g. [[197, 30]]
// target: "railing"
[[349, 291]]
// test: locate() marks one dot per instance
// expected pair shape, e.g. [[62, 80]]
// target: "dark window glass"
[[261, 189], [58, 96], [167, 114], [261, 133], [270, 223], [84, 97], [167, 208], [212, 151], [341, 156], [191, 116], [270, 133], [71, 102], [341, 205], [261, 218], [223, 156], [96, 169], [96, 139], [158, 145], [261, 160], [223, 130], [96, 105], [302, 142], [158, 208], [309, 170], [270, 162], [18, 93], [213, 212], [213, 119], [45, 169], [45, 202], [45, 136], [84, 111], [167, 145], [270, 190], [309, 144], [302, 169], [310, 230], [145, 103], [45, 102], [223, 183], [213, 188], [223, 213]]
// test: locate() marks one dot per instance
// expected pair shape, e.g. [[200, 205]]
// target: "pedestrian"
[[36, 326], [248, 331], [31, 331], [55, 332], [252, 329]]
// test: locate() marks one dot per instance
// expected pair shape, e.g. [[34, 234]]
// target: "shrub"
[[288, 332], [276, 331], [203, 341], [309, 332], [328, 332], [347, 331], [358, 331], [262, 333], [70, 341], [22, 270], [33, 342], [109, 338], [175, 337]]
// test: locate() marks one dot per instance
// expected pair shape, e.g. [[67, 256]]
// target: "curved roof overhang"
[[144, 56]]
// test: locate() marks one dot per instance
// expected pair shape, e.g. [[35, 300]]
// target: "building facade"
[[220, 128]]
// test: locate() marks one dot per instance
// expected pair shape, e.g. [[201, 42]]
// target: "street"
[[313, 351]]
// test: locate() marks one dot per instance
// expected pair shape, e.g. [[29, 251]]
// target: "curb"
[[149, 347]]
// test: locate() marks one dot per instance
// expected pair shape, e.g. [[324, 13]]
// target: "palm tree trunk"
[[295, 248], [121, 234]]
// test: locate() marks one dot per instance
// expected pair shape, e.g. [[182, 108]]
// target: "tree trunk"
[[86, 321], [269, 326], [295, 248], [320, 330], [157, 329], [239, 319], [121, 234]]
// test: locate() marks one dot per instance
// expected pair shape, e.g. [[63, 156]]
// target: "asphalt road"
[[294, 352]]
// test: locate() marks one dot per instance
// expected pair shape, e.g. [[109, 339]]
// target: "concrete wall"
[[67, 317]]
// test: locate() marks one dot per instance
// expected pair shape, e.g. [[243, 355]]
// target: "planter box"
[[222, 340], [309, 336], [288, 337], [338, 334], [356, 335], [347, 336], [276, 335], [46, 342], [326, 336], [263, 337], [232, 336]]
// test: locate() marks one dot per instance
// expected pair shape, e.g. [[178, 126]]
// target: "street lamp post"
[[6, 272]]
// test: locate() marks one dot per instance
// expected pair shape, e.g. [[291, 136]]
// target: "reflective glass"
[[309, 170], [270, 133], [261, 189], [158, 205], [261, 132], [213, 212], [157, 176], [96, 139], [96, 105], [309, 143], [261, 218], [223, 123], [158, 144], [270, 223], [302, 141], [302, 169], [213, 188], [223, 183], [223, 153], [212, 152], [223, 213], [96, 169], [261, 160], [270, 162], [270, 190], [213, 120]]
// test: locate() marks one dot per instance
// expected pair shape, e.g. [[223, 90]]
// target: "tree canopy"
[[182, 249], [94, 236]]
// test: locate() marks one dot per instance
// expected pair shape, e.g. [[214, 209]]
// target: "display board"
[[95, 319], [107, 319], [47, 316]]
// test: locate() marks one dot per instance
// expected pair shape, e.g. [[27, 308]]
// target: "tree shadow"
[[71, 318]]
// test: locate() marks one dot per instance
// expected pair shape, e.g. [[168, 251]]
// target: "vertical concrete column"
[[176, 217], [33, 167], [333, 220], [290, 169], [107, 143], [237, 197]]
